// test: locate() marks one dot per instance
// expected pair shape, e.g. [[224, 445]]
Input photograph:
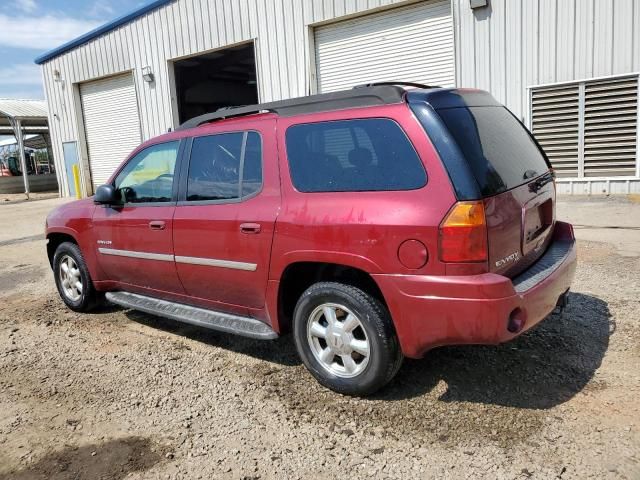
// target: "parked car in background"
[[373, 224]]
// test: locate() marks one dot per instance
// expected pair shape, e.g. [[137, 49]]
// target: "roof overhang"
[[7, 130], [35, 142], [23, 109], [32, 115], [87, 37]]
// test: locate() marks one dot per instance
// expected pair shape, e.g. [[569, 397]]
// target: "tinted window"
[[148, 177], [353, 155], [252, 169], [216, 166], [499, 150]]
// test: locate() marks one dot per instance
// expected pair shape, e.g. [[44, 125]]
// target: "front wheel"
[[346, 339], [72, 278]]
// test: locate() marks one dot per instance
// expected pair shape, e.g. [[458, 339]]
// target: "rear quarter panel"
[[361, 229]]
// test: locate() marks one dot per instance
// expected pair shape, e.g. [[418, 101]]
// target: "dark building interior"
[[214, 80]]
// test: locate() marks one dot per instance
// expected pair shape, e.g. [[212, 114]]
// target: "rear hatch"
[[513, 177]]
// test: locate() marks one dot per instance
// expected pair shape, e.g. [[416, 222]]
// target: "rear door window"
[[353, 155], [500, 151], [224, 167], [252, 167]]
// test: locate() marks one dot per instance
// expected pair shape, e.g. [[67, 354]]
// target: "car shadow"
[[105, 309], [542, 368], [280, 351]]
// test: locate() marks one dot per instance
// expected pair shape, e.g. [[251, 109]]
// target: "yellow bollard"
[[76, 180]]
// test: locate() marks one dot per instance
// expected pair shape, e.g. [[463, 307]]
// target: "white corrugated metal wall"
[[515, 44], [280, 29], [504, 48]]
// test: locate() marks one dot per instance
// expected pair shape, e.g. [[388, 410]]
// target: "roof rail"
[[359, 97], [402, 84]]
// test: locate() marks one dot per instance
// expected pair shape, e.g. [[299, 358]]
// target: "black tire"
[[385, 356], [89, 298]]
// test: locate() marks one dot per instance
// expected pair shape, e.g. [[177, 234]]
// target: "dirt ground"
[[21, 197], [119, 394]]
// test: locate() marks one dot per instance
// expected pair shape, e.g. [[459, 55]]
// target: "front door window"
[[148, 177]]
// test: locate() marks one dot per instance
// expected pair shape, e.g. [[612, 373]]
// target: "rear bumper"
[[431, 311]]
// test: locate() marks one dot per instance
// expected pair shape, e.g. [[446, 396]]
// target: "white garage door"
[[111, 123], [411, 44]]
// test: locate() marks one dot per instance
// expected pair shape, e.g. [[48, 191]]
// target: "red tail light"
[[463, 234]]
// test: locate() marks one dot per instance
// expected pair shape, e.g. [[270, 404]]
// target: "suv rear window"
[[499, 150], [353, 156]]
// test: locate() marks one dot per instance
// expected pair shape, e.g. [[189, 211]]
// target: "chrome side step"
[[224, 322]]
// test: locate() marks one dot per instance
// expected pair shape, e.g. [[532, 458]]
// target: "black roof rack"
[[365, 96], [401, 84]]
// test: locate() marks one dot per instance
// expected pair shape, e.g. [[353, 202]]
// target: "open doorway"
[[213, 80]]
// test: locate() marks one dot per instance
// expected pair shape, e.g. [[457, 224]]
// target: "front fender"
[[84, 241], [75, 220]]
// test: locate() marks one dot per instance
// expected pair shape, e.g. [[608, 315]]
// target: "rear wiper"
[[541, 181]]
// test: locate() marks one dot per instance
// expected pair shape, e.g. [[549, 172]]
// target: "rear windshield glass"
[[353, 155], [499, 150]]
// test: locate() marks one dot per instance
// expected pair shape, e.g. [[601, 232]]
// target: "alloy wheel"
[[70, 278], [338, 340]]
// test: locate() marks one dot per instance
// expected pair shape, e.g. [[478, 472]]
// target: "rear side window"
[[252, 168], [353, 156], [499, 150], [227, 166]]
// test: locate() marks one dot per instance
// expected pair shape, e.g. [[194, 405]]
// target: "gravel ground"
[[119, 394]]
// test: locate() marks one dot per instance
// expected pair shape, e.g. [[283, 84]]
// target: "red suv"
[[373, 223]]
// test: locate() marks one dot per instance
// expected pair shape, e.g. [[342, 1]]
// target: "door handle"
[[250, 228], [156, 225]]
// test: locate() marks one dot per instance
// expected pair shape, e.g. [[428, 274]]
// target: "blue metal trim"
[[100, 31]]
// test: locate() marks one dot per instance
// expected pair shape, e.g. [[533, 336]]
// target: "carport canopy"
[[20, 117], [36, 142]]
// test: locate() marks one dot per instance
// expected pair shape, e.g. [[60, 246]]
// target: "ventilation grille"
[[588, 128], [555, 119], [610, 122]]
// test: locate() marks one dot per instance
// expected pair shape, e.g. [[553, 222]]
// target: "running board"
[[224, 322]]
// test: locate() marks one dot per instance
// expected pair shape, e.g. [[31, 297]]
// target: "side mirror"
[[106, 195]]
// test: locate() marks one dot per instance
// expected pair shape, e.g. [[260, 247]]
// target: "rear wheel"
[[73, 280], [346, 339]]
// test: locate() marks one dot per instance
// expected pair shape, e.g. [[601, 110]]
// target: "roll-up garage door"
[[413, 44], [111, 123]]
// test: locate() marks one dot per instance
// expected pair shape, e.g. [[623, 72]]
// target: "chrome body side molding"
[[163, 257], [213, 262]]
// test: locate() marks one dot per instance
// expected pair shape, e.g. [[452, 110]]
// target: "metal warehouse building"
[[567, 68]]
